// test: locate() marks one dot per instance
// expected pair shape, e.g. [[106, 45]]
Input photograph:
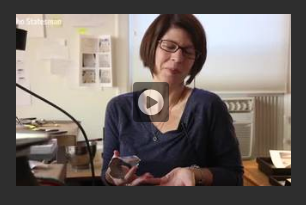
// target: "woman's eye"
[[170, 46], [190, 51]]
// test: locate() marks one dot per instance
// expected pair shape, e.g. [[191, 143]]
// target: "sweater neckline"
[[182, 120]]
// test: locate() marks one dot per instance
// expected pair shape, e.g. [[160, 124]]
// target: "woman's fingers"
[[145, 179], [130, 175], [151, 181], [164, 181]]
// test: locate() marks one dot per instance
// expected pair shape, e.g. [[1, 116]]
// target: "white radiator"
[[269, 123]]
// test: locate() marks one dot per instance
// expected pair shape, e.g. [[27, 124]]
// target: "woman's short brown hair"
[[160, 26]]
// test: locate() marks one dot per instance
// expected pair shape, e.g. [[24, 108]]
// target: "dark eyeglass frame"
[[186, 54]]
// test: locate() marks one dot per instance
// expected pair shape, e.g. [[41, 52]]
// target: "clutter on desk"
[[280, 180], [281, 158], [33, 121], [38, 165], [277, 167], [44, 152], [26, 138], [265, 165], [48, 126], [78, 155]]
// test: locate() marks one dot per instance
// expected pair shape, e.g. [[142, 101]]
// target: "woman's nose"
[[177, 56]]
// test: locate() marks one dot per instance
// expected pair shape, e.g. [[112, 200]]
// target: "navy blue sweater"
[[205, 137]]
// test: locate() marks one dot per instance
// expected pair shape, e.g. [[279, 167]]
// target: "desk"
[[66, 139], [63, 140], [54, 171], [253, 176]]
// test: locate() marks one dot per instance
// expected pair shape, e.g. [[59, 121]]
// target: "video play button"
[[150, 102]]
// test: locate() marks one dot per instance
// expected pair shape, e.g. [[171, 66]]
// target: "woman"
[[197, 145]]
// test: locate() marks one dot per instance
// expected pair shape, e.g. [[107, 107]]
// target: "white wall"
[[85, 104], [138, 25], [246, 52]]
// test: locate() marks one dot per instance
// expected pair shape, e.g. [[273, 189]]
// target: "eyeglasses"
[[169, 46]]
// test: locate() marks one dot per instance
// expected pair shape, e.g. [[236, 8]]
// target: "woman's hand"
[[130, 178], [179, 177]]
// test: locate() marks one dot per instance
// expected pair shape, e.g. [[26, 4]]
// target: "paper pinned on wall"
[[61, 67], [22, 98], [54, 49], [89, 45]]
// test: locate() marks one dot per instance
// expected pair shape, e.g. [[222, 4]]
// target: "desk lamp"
[[21, 38]]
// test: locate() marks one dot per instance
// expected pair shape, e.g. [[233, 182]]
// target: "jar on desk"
[[78, 155]]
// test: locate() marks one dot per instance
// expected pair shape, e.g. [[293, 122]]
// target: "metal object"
[[117, 164], [79, 156]]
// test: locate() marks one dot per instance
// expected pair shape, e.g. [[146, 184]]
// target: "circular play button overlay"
[[150, 102]]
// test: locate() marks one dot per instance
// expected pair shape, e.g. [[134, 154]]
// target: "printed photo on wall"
[[104, 60], [88, 76], [105, 76], [89, 45], [89, 60], [96, 60], [104, 45]]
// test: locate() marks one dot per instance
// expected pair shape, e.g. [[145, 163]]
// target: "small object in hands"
[[117, 163]]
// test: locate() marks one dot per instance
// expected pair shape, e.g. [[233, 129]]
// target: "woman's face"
[[173, 67]]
